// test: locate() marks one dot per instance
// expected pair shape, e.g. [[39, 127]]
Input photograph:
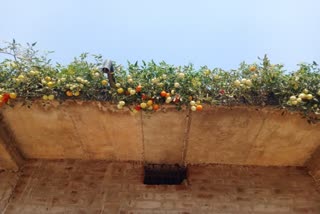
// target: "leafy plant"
[[29, 75]]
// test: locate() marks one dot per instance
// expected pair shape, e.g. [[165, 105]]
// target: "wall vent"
[[164, 174]]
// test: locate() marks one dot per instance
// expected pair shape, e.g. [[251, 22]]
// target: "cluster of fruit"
[[302, 98]]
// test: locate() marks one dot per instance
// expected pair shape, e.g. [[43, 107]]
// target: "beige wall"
[[77, 131], [91, 130], [251, 136], [313, 165]]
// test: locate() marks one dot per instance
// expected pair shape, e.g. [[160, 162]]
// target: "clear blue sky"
[[202, 32]]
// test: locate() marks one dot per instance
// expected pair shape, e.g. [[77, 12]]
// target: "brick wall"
[[8, 181], [101, 187]]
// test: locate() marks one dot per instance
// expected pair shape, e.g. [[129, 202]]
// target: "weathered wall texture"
[[313, 165], [91, 130], [6, 161], [101, 187], [164, 136], [78, 131], [8, 181], [10, 157], [251, 136]]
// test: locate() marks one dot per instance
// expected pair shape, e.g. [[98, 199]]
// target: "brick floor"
[[102, 187]]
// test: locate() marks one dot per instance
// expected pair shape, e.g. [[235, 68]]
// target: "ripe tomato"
[[155, 107], [138, 88], [69, 93], [163, 94], [199, 107]]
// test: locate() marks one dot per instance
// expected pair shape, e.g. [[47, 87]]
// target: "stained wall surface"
[[98, 131]]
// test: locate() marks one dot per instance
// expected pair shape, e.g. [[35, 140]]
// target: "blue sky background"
[[202, 32]]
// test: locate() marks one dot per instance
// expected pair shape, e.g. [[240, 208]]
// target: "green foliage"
[[31, 76]]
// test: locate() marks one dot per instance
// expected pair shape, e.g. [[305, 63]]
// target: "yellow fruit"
[[237, 83], [299, 100], [44, 97], [192, 103], [248, 82], [309, 96], [104, 82], [1, 97], [293, 98], [21, 77], [50, 84], [143, 105], [193, 108], [77, 93], [149, 103], [294, 102], [13, 95], [302, 95], [51, 97], [47, 78], [120, 90], [132, 92], [306, 91]]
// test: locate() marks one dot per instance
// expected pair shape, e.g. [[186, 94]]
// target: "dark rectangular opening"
[[164, 174]]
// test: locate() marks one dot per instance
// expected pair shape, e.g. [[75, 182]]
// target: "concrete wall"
[[10, 157], [81, 130], [91, 130], [6, 161], [313, 165], [94, 187]]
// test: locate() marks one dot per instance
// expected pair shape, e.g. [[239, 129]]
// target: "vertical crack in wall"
[[142, 138], [186, 138], [85, 151]]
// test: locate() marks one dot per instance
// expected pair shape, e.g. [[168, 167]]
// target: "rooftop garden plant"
[[28, 75]]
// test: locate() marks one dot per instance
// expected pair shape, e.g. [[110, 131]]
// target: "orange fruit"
[[69, 93], [138, 88], [199, 107], [155, 107], [168, 95], [149, 103], [252, 68], [163, 94]]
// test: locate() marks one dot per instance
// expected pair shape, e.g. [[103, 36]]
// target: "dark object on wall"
[[107, 67], [164, 174]]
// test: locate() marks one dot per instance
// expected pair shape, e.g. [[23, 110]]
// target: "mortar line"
[[186, 138]]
